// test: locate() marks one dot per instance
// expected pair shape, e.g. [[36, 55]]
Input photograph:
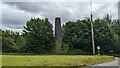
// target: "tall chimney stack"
[[58, 34]]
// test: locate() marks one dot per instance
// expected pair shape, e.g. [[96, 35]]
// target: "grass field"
[[53, 60], [0, 60]]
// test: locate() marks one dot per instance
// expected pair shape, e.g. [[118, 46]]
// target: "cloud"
[[60, 0], [33, 7], [15, 14], [12, 18], [106, 8], [67, 11]]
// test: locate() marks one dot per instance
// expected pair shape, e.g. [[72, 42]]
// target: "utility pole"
[[119, 10], [92, 33]]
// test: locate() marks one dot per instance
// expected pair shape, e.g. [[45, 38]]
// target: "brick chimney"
[[58, 34]]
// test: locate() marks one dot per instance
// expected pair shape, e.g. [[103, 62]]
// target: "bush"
[[57, 48], [65, 48], [78, 52]]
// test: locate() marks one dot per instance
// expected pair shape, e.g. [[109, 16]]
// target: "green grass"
[[53, 60], [0, 60]]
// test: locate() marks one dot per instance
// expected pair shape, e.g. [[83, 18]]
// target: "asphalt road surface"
[[113, 64]]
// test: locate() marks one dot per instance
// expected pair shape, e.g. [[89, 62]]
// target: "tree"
[[12, 42], [78, 35], [104, 36], [39, 36], [116, 28]]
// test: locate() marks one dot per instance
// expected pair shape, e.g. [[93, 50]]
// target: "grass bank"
[[53, 60]]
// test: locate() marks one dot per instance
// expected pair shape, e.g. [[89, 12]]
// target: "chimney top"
[[57, 17]]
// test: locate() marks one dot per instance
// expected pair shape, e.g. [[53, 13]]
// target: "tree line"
[[38, 38]]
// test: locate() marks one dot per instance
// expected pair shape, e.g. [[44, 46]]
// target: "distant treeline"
[[38, 38]]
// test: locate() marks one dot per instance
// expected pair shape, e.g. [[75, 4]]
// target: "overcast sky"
[[15, 14]]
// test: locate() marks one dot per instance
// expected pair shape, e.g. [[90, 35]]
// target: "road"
[[113, 64]]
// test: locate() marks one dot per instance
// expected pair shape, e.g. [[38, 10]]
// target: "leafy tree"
[[108, 19], [11, 41], [116, 28], [39, 36], [77, 35], [104, 36]]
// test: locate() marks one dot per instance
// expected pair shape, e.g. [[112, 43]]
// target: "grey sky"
[[15, 14]]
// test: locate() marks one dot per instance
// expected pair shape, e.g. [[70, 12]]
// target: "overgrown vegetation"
[[37, 37]]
